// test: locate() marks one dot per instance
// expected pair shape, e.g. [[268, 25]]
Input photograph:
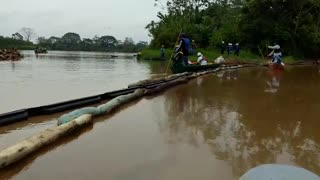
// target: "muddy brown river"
[[215, 127]]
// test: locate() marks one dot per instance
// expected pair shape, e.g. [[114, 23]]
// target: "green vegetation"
[[245, 56], [19, 40], [9, 43], [294, 24], [70, 42], [290, 59], [210, 54], [73, 42], [149, 54]]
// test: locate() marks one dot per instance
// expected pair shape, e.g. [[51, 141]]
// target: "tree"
[[15, 42], [128, 41], [128, 45], [42, 40], [294, 24], [69, 41], [198, 18], [72, 41], [17, 36], [108, 42], [71, 38], [27, 33], [87, 44], [53, 39], [141, 45], [96, 41]]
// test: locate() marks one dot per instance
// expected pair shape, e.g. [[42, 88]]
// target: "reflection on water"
[[273, 81], [228, 75], [214, 127], [60, 76], [247, 127]]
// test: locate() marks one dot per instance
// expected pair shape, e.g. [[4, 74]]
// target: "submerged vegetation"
[[294, 24]]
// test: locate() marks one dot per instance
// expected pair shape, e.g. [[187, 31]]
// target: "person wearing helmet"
[[276, 54], [230, 48], [222, 48], [184, 46], [236, 49], [162, 52], [201, 59]]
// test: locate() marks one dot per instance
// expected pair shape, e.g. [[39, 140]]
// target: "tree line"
[[294, 24], [70, 42], [73, 42]]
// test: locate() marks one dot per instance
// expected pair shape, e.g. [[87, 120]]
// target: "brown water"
[[60, 76], [215, 127]]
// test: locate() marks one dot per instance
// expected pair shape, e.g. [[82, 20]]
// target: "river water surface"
[[215, 127], [59, 76]]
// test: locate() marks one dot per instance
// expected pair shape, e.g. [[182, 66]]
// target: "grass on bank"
[[244, 56], [149, 54]]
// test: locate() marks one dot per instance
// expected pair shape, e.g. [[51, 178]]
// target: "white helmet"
[[274, 47], [199, 54]]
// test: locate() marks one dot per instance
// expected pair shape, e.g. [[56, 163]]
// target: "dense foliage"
[[294, 24], [18, 43], [73, 41]]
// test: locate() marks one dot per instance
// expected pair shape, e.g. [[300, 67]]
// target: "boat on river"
[[40, 51], [178, 66]]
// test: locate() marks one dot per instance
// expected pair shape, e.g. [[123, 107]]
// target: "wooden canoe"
[[178, 67]]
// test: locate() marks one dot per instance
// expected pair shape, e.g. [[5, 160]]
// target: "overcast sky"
[[120, 18]]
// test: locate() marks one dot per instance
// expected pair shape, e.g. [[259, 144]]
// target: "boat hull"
[[178, 67]]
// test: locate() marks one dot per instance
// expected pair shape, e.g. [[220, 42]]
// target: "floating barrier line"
[[24, 114], [79, 118]]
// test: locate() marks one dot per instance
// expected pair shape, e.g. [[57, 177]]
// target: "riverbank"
[[244, 56], [10, 54]]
